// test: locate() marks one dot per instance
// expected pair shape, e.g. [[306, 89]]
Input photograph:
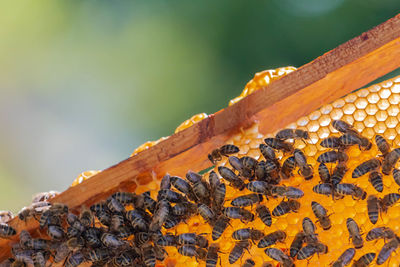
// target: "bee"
[[249, 165], [181, 185], [98, 254], [309, 230], [324, 173], [247, 200], [264, 214], [126, 258], [271, 239], [201, 241], [35, 209], [117, 221], [188, 250], [86, 218], [37, 244], [260, 187], [6, 216], [342, 126], [225, 150], [375, 178], [389, 200], [184, 208], [186, 239], [62, 252], [350, 189], [55, 232], [214, 181], [285, 207], [238, 250], [373, 206], [321, 213], [323, 189], [91, 236], [165, 182], [287, 191], [364, 260], [349, 139], [219, 196], [396, 176], [59, 209], [268, 153], [6, 231], [338, 174], [332, 157], [278, 255], [387, 250], [38, 259], [380, 232], [331, 142], [212, 255], [114, 205], [207, 213], [219, 227], [305, 170], [365, 167], [148, 203], [24, 236], [382, 144], [261, 171], [287, 168], [160, 215], [167, 240], [124, 197], [311, 249], [139, 222], [390, 160], [172, 221], [279, 145], [74, 259], [249, 263], [24, 257], [345, 258], [141, 238], [170, 196], [297, 244], [231, 177], [354, 232], [75, 243], [247, 233], [111, 241], [292, 134], [44, 196]]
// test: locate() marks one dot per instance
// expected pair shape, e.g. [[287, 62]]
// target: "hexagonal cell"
[[349, 108], [368, 132], [370, 121], [384, 93], [326, 109], [371, 109], [350, 98], [390, 134], [314, 115], [391, 122], [381, 115], [361, 103], [338, 103], [373, 98], [336, 114], [323, 132], [360, 115], [303, 121], [386, 84], [313, 126], [362, 93], [324, 120], [380, 127], [359, 125], [393, 110], [395, 88], [383, 104]]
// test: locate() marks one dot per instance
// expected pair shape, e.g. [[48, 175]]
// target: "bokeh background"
[[83, 83]]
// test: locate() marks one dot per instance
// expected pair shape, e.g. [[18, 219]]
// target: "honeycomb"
[[374, 110]]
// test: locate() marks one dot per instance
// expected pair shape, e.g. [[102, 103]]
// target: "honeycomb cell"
[[361, 103], [371, 109], [349, 109], [313, 126], [360, 115], [383, 104], [384, 93], [359, 125], [326, 109], [395, 88], [390, 134], [362, 93], [381, 115], [386, 84], [373, 98], [391, 122], [350, 98], [370, 121], [324, 120], [336, 114], [338, 103], [368, 132], [380, 127], [393, 110], [315, 115], [323, 132]]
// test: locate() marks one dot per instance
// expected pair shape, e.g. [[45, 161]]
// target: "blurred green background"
[[83, 83]]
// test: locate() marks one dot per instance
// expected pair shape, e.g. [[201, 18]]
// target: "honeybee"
[[167, 240], [214, 181], [55, 232], [324, 173], [98, 254], [186, 239], [311, 249], [305, 169], [169, 195], [201, 241], [165, 182], [350, 189], [264, 214], [225, 150], [271, 239], [390, 160], [6, 231], [249, 263], [323, 189], [188, 250], [309, 230], [219, 227], [219, 196], [279, 145], [249, 164], [331, 142], [212, 255], [338, 174], [247, 233], [34, 210], [231, 177], [247, 200], [37, 244], [380, 232], [396, 176], [278, 255], [373, 206], [112, 241], [149, 256], [180, 184], [375, 178], [292, 134], [365, 167], [389, 200], [74, 259], [61, 253], [23, 257], [237, 164], [268, 153], [261, 171], [364, 260], [342, 126], [184, 208], [6, 216], [160, 216], [207, 213], [346, 257], [285, 207], [126, 258], [349, 139], [332, 157], [354, 232], [139, 222], [287, 168], [387, 250], [260, 187], [382, 144], [321, 213], [286, 191], [91, 236], [297, 244], [238, 250]]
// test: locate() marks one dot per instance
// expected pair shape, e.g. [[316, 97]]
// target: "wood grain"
[[330, 76]]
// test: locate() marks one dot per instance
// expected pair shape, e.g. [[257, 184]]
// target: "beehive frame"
[[336, 73]]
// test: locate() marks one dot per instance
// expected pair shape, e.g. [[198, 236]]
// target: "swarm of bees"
[[129, 229]]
